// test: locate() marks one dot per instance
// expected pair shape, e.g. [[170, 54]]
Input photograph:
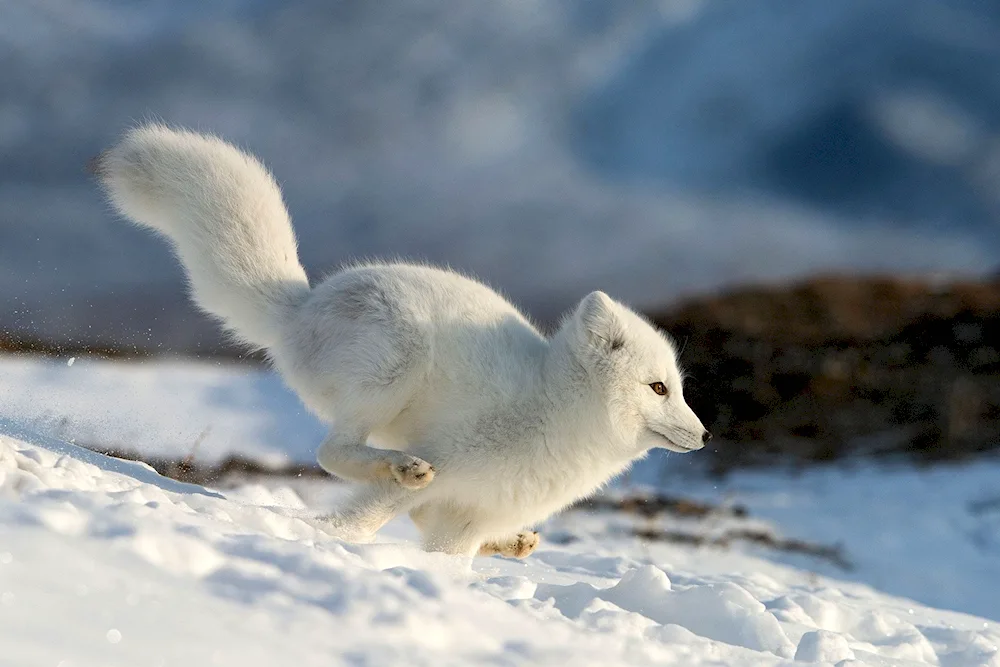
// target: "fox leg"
[[345, 454], [516, 546], [448, 528], [371, 507]]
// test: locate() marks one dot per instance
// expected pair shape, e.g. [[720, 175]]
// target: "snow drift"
[[105, 562]]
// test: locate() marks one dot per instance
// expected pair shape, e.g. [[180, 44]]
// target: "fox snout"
[[705, 437], [692, 445]]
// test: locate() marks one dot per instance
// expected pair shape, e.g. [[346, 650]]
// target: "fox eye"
[[659, 388]]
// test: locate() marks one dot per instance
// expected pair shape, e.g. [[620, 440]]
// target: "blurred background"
[[806, 194], [659, 150]]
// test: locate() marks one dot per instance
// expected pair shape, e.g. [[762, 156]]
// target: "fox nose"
[[705, 437]]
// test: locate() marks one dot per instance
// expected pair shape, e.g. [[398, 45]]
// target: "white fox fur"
[[484, 426]]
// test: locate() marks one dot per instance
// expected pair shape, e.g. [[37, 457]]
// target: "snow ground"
[[103, 562], [160, 409], [945, 553], [931, 534]]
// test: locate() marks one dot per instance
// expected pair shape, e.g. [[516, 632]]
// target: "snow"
[[932, 534], [161, 409], [106, 563], [823, 646], [945, 554]]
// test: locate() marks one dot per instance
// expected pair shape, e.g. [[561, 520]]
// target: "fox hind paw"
[[518, 546], [525, 543]]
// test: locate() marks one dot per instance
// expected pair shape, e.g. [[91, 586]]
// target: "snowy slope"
[[932, 534], [946, 555], [105, 563], [161, 409]]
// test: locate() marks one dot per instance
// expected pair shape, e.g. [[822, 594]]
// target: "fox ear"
[[600, 323]]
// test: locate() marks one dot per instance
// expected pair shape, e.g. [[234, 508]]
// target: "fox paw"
[[414, 473], [519, 546], [523, 545]]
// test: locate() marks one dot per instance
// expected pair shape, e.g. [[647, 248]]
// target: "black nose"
[[705, 437]]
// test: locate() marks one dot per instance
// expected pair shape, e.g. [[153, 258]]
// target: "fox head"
[[635, 367]]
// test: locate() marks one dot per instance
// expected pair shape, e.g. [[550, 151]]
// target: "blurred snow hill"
[[647, 147]]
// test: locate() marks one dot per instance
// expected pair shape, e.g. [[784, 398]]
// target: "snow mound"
[[132, 568], [823, 646]]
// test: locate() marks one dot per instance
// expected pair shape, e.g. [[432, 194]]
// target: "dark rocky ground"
[[840, 366]]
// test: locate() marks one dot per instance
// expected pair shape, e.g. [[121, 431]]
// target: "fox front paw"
[[414, 473]]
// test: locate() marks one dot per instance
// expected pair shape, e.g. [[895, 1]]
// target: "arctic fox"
[[484, 427]]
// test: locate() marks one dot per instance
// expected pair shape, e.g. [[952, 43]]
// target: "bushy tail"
[[225, 217]]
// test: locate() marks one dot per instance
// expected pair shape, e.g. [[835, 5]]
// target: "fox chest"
[[527, 494]]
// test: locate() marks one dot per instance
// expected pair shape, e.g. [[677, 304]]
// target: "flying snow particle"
[[72, 360], [114, 636]]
